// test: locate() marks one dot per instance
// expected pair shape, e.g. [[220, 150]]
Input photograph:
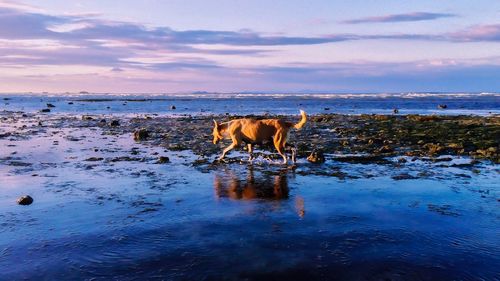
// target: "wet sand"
[[399, 197]]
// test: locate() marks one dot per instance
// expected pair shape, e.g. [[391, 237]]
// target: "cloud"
[[477, 33], [89, 31], [77, 29], [32, 25], [19, 6], [416, 16], [326, 77], [36, 41]]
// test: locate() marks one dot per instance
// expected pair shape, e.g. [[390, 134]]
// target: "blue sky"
[[226, 46]]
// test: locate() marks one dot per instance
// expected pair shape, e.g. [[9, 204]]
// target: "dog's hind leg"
[[279, 144], [294, 154], [293, 150], [250, 151]]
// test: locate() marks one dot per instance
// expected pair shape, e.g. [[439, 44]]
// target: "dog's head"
[[216, 133]]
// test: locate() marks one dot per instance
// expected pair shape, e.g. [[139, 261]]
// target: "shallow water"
[[116, 218]]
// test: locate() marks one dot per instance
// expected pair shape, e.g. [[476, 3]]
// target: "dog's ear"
[[215, 124]]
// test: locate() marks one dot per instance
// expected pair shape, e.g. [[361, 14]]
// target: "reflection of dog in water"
[[253, 131], [266, 187]]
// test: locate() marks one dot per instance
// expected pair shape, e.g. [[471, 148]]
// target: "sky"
[[154, 46]]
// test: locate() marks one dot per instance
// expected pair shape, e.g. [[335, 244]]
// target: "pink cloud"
[[478, 33]]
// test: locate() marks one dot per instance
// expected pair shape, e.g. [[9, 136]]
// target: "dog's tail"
[[302, 121]]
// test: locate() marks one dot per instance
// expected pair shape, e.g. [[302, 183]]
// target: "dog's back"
[[255, 131]]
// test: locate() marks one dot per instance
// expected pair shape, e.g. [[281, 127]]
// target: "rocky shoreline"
[[356, 138], [373, 136]]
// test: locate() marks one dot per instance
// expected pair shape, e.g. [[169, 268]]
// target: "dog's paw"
[[221, 160]]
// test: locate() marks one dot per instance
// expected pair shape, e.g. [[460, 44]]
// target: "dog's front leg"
[[226, 150], [236, 142]]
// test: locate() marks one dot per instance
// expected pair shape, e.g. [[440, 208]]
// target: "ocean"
[[262, 103]]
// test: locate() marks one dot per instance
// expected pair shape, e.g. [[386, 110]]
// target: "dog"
[[253, 131]]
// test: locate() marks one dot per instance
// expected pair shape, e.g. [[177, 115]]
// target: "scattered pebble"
[[317, 156], [25, 200], [163, 160], [141, 134]]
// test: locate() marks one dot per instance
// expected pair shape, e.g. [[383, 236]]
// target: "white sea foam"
[[404, 95]]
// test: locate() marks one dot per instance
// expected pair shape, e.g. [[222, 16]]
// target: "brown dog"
[[254, 131]]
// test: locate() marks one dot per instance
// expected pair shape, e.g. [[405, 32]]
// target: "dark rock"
[[93, 159], [385, 149], [70, 102], [434, 148], [442, 159], [86, 117], [457, 146], [25, 200], [4, 135], [50, 105], [19, 164], [316, 156], [115, 123], [363, 159], [375, 141], [172, 107], [163, 160], [404, 177], [125, 158], [45, 110], [395, 111], [141, 134], [177, 147], [402, 160], [327, 108]]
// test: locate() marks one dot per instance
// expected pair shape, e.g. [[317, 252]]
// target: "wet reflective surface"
[[104, 209], [248, 186]]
